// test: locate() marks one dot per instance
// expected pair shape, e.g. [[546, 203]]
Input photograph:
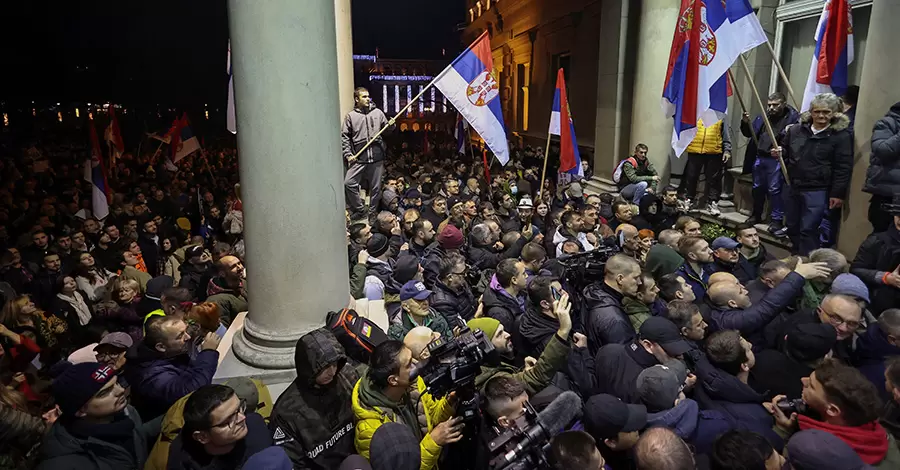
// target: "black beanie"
[[406, 268], [377, 245]]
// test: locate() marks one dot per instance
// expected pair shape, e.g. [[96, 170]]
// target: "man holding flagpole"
[[360, 126]]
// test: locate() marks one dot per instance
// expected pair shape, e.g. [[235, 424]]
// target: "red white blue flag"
[[470, 84], [709, 37], [183, 141], [561, 124], [829, 72], [95, 173]]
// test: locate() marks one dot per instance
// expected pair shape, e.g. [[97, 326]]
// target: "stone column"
[[878, 90], [344, 35], [286, 88], [648, 124], [614, 88]]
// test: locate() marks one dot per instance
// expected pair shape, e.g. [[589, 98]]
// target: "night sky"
[[173, 51]]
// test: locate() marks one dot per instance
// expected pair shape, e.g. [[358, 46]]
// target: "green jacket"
[[402, 324], [637, 312], [538, 377], [358, 281], [813, 294], [643, 172]]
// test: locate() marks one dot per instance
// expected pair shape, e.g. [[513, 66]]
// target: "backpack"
[[617, 173], [358, 335]]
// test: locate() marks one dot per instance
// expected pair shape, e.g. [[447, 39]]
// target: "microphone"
[[559, 413]]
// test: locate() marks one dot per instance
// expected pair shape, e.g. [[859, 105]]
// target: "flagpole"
[[740, 99], [784, 77], [544, 171], [768, 124]]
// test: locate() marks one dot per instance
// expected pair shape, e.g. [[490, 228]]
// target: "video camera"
[[582, 269], [453, 364], [522, 446]]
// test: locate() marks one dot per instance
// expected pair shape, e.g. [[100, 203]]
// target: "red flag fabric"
[[487, 168]]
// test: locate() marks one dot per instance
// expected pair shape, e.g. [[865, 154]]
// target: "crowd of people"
[[680, 352]]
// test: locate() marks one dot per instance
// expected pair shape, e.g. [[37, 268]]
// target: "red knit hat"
[[450, 238]]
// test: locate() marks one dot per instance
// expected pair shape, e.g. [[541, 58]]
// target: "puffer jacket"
[[370, 416], [314, 423], [822, 161], [883, 174], [606, 321], [713, 139], [877, 255], [452, 304], [359, 126]]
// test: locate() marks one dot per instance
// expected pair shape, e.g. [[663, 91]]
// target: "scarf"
[[869, 440], [77, 302]]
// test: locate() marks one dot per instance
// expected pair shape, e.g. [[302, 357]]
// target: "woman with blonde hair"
[[119, 311], [22, 316]]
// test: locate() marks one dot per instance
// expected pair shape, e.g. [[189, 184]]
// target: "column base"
[[265, 350], [597, 185]]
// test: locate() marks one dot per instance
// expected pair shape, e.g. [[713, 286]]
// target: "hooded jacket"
[[63, 450], [747, 269], [184, 456], [872, 350], [359, 126], [485, 257], [698, 428], [752, 320], [498, 304], [372, 409], [721, 391], [606, 321], [637, 312], [451, 303], [822, 161], [157, 382], [883, 174], [534, 330], [870, 441], [617, 367], [662, 260], [230, 301], [646, 219], [312, 423], [195, 279], [877, 255]]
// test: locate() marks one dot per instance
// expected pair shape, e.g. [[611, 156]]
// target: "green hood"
[[637, 312], [402, 412], [662, 260]]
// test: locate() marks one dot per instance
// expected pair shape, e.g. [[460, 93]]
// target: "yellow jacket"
[[709, 140], [368, 420]]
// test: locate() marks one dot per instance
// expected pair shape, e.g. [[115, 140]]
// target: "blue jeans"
[[804, 211], [767, 180], [634, 191]]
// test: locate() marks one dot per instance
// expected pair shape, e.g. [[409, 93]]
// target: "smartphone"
[[556, 293]]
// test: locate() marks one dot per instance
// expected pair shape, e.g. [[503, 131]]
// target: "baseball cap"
[[665, 333], [659, 386], [118, 339], [413, 193], [414, 290], [724, 242], [809, 341], [193, 252], [605, 416]]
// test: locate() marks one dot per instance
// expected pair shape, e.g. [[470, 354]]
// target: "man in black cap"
[[617, 366], [151, 299], [615, 426], [877, 263], [379, 269], [196, 271], [779, 373], [394, 447], [97, 429]]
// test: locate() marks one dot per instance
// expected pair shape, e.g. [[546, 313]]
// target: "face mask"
[[513, 189]]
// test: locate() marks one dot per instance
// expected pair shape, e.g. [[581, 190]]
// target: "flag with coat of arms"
[[709, 36]]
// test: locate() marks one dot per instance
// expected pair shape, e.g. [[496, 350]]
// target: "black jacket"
[[501, 307], [451, 304], [645, 219], [616, 368], [306, 417], [878, 254], [775, 373], [822, 161], [44, 288], [778, 328], [430, 215], [510, 222], [195, 279], [485, 257], [752, 320], [533, 331], [883, 174], [765, 140], [747, 269], [187, 454], [606, 321], [151, 252]]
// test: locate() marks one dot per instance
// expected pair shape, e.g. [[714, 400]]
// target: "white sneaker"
[[713, 209]]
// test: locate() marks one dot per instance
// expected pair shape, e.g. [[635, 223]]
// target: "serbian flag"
[[828, 72], [470, 84], [95, 173], [461, 132], [113, 137], [230, 118], [183, 140], [561, 124], [709, 37]]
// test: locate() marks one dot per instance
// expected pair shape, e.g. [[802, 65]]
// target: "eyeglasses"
[[232, 420], [836, 320]]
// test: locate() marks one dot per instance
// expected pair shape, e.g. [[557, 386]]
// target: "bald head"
[[621, 265], [417, 341], [721, 276], [662, 449], [628, 229]]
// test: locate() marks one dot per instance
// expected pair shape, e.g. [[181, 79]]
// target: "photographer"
[[847, 405], [537, 374], [382, 396]]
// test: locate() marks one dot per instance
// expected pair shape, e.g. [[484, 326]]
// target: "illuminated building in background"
[[400, 81]]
